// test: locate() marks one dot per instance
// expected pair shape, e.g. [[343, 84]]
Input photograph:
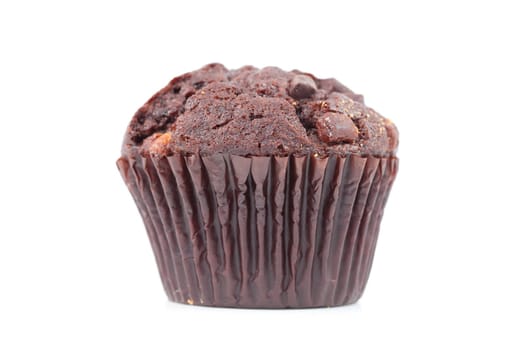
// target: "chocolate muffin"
[[260, 187]]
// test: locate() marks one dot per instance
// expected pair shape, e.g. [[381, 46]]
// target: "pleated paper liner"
[[262, 232]]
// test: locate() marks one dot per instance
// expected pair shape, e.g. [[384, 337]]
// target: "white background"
[[76, 269]]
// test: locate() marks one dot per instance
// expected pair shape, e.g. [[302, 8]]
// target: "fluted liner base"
[[261, 232]]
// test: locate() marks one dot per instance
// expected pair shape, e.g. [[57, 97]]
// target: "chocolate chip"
[[198, 85], [340, 103], [332, 85], [302, 86], [336, 127]]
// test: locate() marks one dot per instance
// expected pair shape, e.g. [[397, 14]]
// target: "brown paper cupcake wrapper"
[[262, 232]]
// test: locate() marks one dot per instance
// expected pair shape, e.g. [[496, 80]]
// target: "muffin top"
[[257, 112]]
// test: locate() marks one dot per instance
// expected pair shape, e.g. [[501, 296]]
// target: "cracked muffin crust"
[[258, 112]]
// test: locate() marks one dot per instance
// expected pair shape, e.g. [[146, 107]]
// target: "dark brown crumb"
[[250, 111]]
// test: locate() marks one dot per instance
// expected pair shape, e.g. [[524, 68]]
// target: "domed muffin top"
[[258, 112]]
